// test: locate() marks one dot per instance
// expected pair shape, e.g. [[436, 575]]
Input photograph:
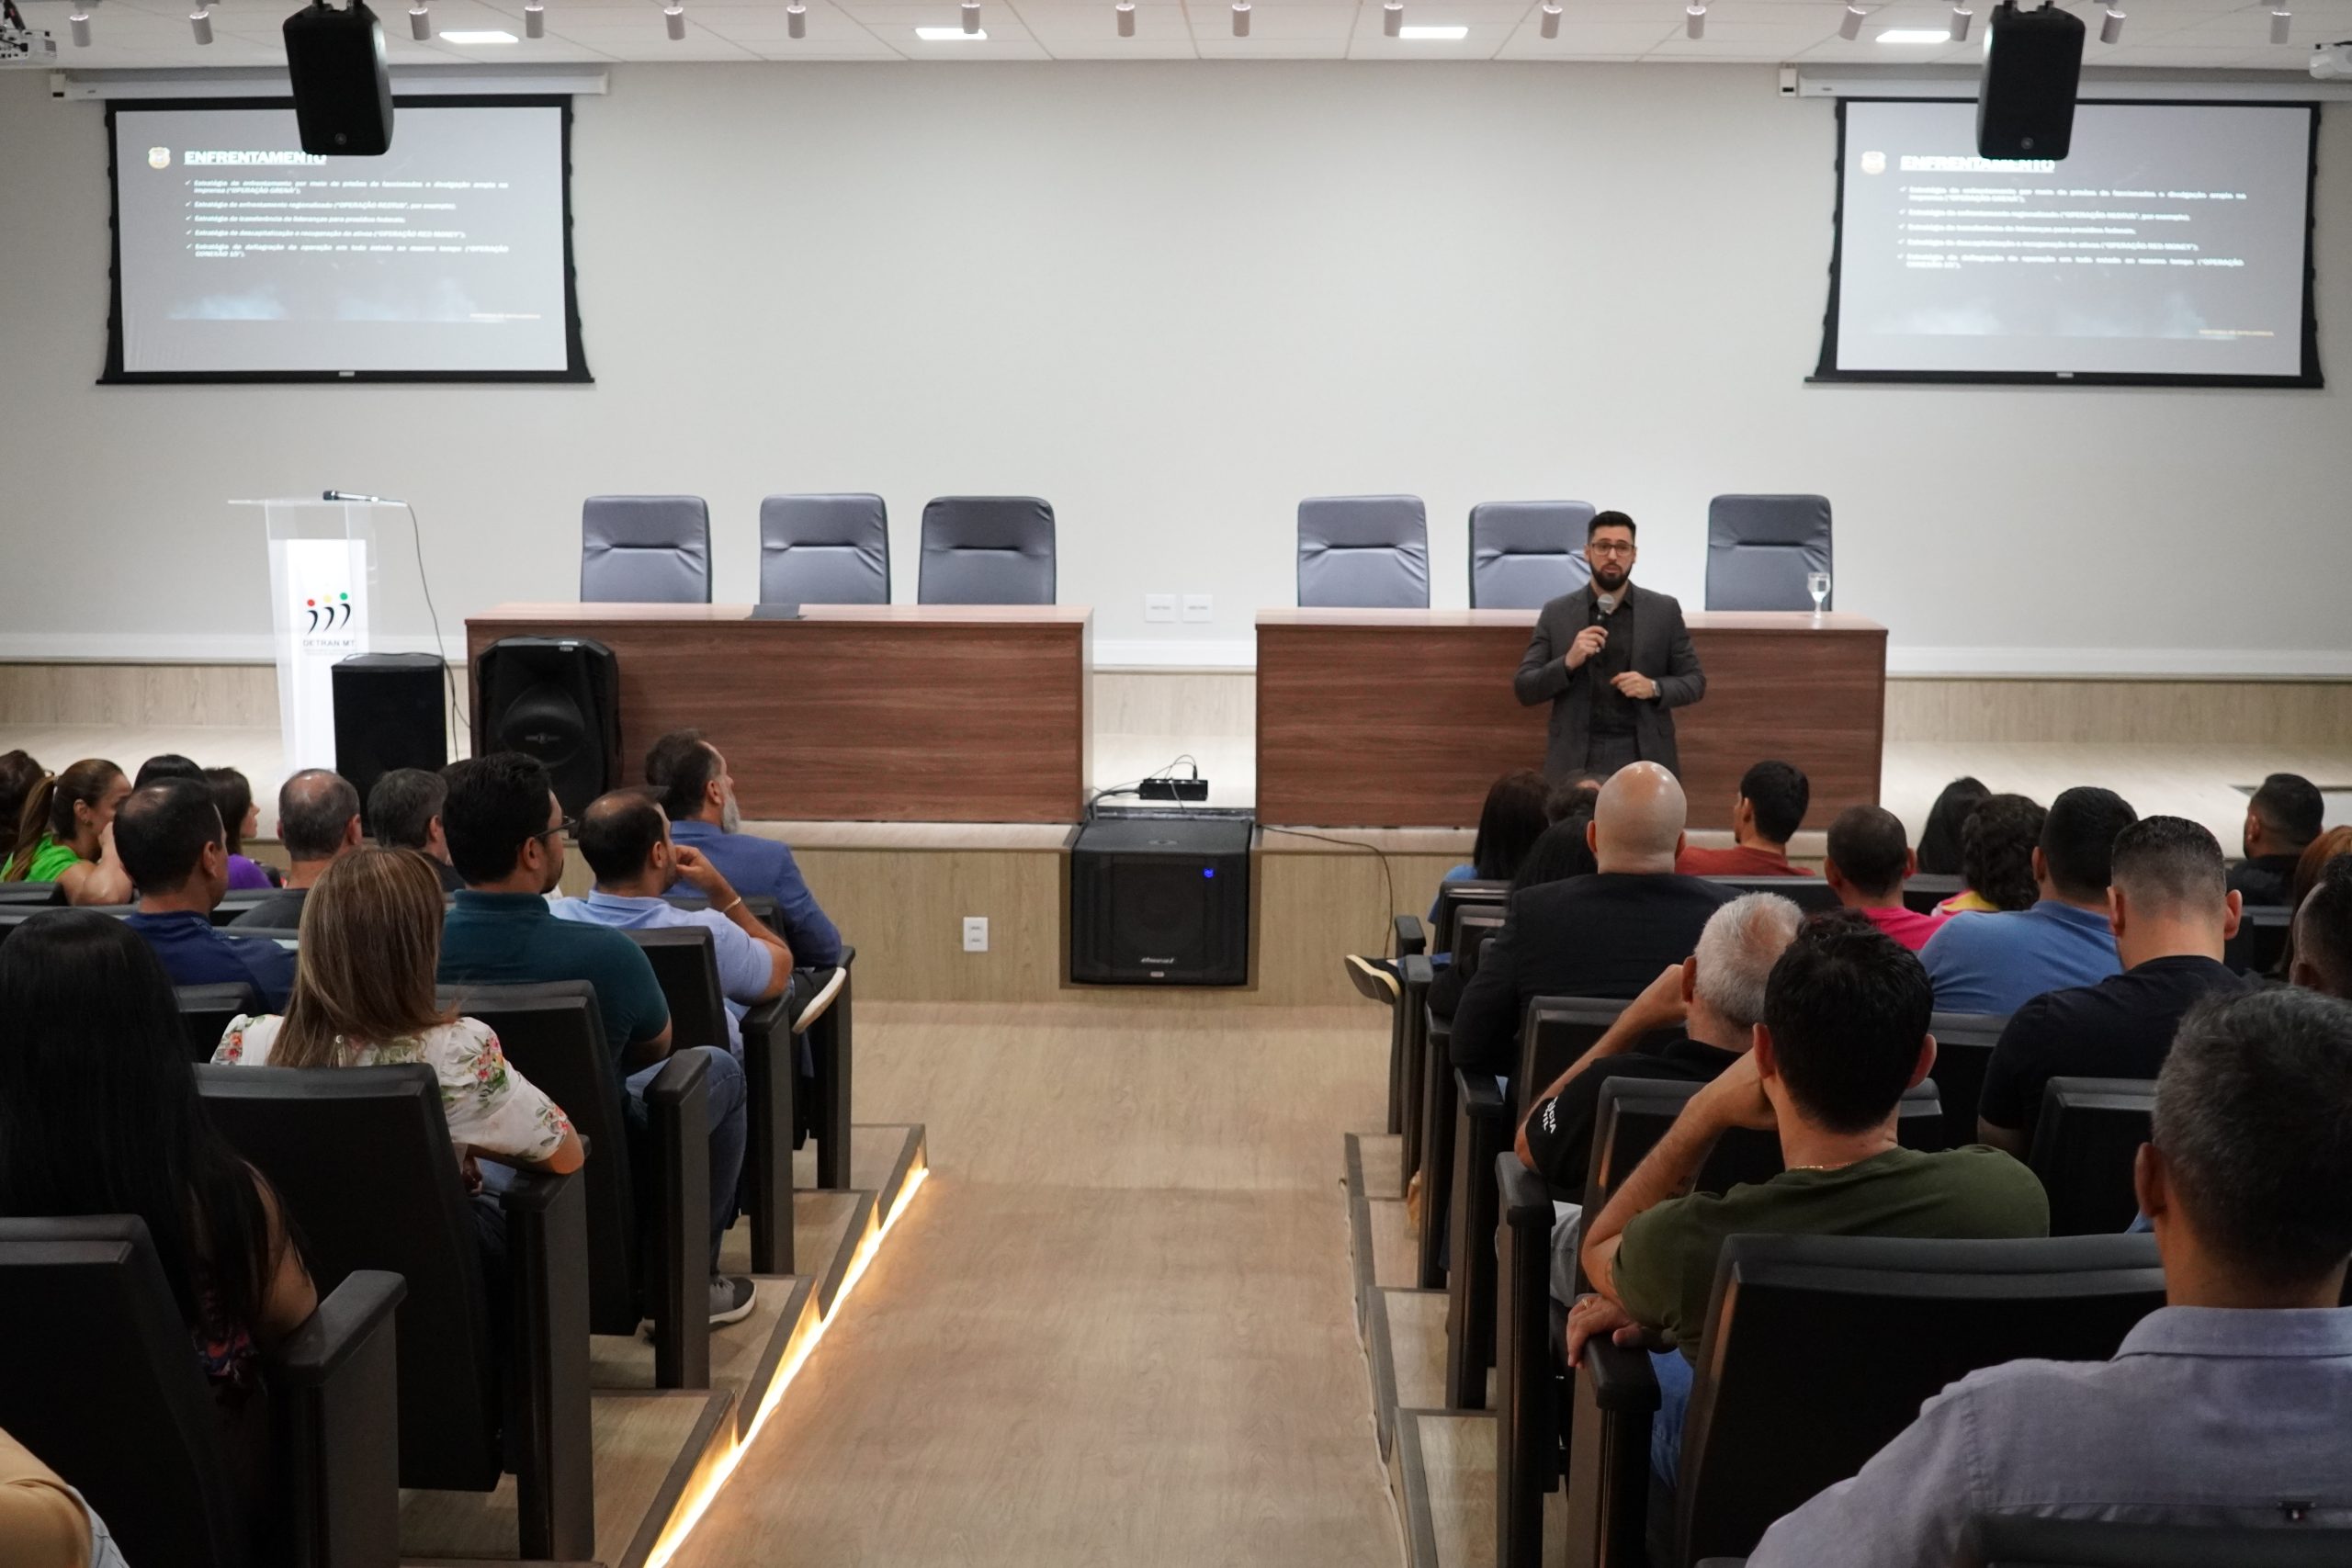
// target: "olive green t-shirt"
[[1665, 1270], [50, 861]]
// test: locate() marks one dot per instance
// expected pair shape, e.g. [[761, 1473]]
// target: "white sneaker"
[[731, 1296]]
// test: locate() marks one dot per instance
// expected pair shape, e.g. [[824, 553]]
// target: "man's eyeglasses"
[[1608, 547], [569, 825]]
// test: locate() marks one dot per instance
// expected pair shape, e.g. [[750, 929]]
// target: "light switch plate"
[[1160, 606], [1199, 607]]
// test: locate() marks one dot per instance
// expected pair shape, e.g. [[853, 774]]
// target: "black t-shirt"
[[1559, 1130], [1613, 710], [2120, 1028], [2265, 879]]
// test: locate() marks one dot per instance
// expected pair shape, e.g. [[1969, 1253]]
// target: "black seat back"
[[554, 1035], [105, 1388], [205, 1012], [1812, 894], [1855, 1332], [35, 893], [1555, 1032], [1454, 896], [234, 904], [685, 965], [2084, 1145], [2026, 1540], [1964, 1043], [1473, 928], [762, 906], [402, 1208], [2261, 937], [1923, 891]]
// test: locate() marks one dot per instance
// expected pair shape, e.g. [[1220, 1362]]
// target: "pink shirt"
[[1908, 927]]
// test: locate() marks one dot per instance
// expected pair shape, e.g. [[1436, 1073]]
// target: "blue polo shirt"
[[760, 868], [1998, 962], [195, 952], [513, 939], [743, 965]]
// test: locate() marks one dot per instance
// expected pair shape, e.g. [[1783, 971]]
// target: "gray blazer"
[[1662, 651]]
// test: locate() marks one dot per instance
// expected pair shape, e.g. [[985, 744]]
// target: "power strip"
[[1173, 789]]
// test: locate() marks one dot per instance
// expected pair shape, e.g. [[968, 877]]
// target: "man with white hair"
[[1604, 935]]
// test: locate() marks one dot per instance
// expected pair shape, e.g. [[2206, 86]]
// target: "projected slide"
[[2170, 244], [241, 254]]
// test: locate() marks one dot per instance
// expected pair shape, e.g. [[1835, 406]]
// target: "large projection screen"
[[239, 257], [2172, 246]]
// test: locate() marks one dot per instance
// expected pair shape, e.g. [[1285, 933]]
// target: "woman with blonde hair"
[[363, 997]]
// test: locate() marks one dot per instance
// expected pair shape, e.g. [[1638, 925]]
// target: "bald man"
[[318, 821], [1604, 935]]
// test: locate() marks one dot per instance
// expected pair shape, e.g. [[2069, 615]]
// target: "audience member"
[[2224, 1407], [2171, 914], [1561, 851], [1868, 864], [626, 840], [1509, 824], [1995, 964], [1997, 845], [64, 833], [2323, 933], [172, 843], [2317, 856], [1604, 935], [1939, 840], [1572, 796], [2281, 820], [318, 819], [232, 796], [99, 1115], [699, 796], [1844, 1034], [405, 810], [505, 830], [18, 775], [44, 1523], [1765, 816], [166, 766]]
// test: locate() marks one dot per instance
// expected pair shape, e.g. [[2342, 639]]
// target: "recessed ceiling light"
[[949, 35], [494, 35], [1434, 34], [1915, 35]]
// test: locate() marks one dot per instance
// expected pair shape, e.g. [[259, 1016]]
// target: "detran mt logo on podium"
[[333, 615]]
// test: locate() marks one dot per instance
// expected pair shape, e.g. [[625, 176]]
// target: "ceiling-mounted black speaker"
[[343, 85], [2033, 62], [555, 698]]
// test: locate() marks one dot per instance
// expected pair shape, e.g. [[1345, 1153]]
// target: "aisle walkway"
[[1113, 1328]]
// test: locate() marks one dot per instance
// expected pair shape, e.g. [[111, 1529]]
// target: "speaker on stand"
[[557, 699], [388, 714]]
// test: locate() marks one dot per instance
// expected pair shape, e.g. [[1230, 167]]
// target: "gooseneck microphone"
[[353, 495]]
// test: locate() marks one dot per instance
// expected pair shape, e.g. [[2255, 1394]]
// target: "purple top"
[[244, 873]]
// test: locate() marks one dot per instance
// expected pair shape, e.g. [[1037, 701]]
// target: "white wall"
[[1174, 299]]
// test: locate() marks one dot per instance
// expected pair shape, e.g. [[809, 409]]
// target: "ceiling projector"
[[2332, 61]]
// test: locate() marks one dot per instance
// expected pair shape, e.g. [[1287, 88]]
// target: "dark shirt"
[[450, 881], [513, 939], [2265, 879], [755, 867], [1608, 934], [1559, 1130], [281, 911], [195, 953], [2120, 1028], [1613, 710]]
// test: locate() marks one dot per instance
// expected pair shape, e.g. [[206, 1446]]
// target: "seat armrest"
[[770, 1080], [1411, 941], [675, 1246], [1525, 1195], [679, 1077], [340, 1328], [1608, 1483], [338, 1442], [1482, 1096], [1621, 1377], [1417, 970], [546, 1251]]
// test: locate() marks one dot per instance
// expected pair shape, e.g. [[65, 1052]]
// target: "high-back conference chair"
[[1761, 547], [987, 550], [824, 549], [1363, 552], [645, 549], [1524, 554]]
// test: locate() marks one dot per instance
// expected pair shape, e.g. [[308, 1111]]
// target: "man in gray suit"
[[1613, 661]]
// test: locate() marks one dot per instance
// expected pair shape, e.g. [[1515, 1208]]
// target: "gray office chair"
[[824, 549], [1524, 554], [1363, 552], [987, 550], [1760, 548], [645, 549]]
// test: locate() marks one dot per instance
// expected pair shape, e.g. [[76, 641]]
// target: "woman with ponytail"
[[64, 833]]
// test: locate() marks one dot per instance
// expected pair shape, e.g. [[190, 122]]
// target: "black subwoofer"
[[1160, 898], [555, 698], [389, 713]]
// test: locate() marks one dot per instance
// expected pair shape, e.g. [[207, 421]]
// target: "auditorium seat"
[[1474, 927], [1812, 894], [1410, 941], [1363, 552], [648, 1209], [1853, 1332], [205, 1012], [685, 965], [1760, 548], [464, 1419], [237, 901], [2261, 938], [1554, 1033], [104, 1386], [30, 893], [2089, 1133], [1524, 554], [986, 550], [2027, 1540], [645, 549], [822, 1019], [1922, 891], [1964, 1043], [824, 549]]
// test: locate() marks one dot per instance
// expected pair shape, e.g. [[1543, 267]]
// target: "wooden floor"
[[1115, 1329]]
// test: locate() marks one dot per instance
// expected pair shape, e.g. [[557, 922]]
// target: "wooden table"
[[1398, 718], [902, 713]]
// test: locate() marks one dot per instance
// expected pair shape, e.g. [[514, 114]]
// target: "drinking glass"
[[1817, 584]]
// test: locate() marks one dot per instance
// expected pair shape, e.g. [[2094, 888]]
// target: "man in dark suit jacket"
[[1612, 659], [1608, 934]]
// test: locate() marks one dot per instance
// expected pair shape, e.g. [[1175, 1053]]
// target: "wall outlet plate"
[[1199, 607], [1160, 606], [975, 933]]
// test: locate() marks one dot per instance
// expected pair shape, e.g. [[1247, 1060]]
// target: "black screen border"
[[2308, 380], [575, 350]]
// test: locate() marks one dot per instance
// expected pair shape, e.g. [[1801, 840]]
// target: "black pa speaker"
[[2033, 62], [343, 86], [555, 698], [1160, 898], [388, 714]]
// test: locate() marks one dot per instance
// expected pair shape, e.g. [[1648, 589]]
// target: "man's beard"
[[730, 816], [1608, 579]]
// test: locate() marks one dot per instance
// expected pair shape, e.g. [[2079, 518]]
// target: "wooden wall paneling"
[[2136, 712]]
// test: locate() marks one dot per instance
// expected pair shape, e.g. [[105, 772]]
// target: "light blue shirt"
[[2205, 1417], [744, 965], [1998, 962]]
